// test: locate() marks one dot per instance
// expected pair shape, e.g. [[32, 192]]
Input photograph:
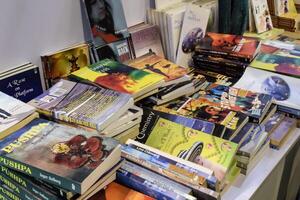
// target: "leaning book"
[[64, 156]]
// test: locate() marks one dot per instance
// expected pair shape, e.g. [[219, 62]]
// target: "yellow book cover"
[[156, 64], [119, 77], [193, 145]]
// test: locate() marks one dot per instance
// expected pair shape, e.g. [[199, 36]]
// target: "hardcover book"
[[253, 104], [61, 63], [278, 63], [204, 149], [64, 156], [22, 83], [120, 77], [193, 30], [284, 89], [104, 21], [229, 46], [262, 18], [12, 113]]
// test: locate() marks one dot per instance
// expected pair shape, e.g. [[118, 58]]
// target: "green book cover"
[[198, 147]]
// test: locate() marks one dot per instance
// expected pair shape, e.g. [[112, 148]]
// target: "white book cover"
[[12, 111], [284, 89], [161, 4], [261, 14], [193, 30], [281, 7]]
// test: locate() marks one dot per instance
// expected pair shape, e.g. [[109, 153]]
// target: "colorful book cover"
[[284, 89], [195, 146], [156, 64], [203, 109], [12, 111], [278, 63], [119, 77], [106, 21], [62, 63], [273, 122], [243, 133], [23, 85], [281, 7], [262, 18], [60, 155], [146, 39], [229, 45], [193, 30], [115, 191], [253, 104], [118, 51]]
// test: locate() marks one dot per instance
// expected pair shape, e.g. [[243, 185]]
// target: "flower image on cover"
[[58, 154], [195, 146]]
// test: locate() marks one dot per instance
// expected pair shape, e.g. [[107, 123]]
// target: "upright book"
[[261, 14], [67, 157], [83, 104], [13, 114], [120, 77], [23, 82], [60, 64]]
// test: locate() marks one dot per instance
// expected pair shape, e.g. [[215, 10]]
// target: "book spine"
[[223, 63], [27, 184], [41, 174], [142, 185], [3, 196], [76, 121], [222, 54], [8, 193], [17, 189]]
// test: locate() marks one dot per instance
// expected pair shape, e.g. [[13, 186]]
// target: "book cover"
[[229, 46], [24, 84], [273, 122], [253, 104], [193, 30], [281, 7], [12, 111], [278, 63], [156, 64], [62, 63], [119, 77], [218, 78], [242, 134], [145, 39], [207, 150], [115, 191], [283, 88], [64, 156], [106, 21], [118, 51], [261, 15]]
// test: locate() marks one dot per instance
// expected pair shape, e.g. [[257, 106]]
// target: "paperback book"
[[67, 157], [261, 14]]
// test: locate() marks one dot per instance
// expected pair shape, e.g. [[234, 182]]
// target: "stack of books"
[[225, 53]]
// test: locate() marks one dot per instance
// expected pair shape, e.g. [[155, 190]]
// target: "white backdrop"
[[31, 28]]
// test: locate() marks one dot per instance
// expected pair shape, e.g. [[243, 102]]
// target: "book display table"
[[276, 175]]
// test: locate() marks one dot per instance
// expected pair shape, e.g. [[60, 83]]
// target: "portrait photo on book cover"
[[106, 18]]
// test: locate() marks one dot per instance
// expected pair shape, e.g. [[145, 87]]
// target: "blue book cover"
[[24, 85]]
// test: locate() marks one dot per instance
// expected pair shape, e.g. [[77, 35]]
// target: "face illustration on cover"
[[80, 151], [277, 87]]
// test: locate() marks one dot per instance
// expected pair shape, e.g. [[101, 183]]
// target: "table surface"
[[244, 187]]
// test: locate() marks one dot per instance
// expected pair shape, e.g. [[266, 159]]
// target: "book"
[[145, 39], [280, 133], [255, 105], [120, 77], [203, 109], [13, 114], [22, 83], [262, 18], [104, 21], [116, 191], [229, 46], [282, 88], [193, 30], [218, 78], [46, 154], [150, 183], [175, 168], [153, 63], [83, 104], [278, 63], [242, 134], [193, 145], [61, 63], [273, 122]]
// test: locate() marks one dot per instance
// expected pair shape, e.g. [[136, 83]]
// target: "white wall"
[[31, 28]]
